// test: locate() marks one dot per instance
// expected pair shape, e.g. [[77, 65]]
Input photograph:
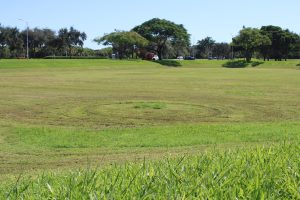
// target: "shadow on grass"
[[256, 63], [298, 65], [236, 64], [241, 64], [169, 63]]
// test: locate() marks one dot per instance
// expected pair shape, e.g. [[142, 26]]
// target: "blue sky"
[[216, 18]]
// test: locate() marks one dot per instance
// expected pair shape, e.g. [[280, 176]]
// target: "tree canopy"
[[282, 42], [69, 38], [205, 47], [250, 40], [124, 42], [160, 31], [41, 42]]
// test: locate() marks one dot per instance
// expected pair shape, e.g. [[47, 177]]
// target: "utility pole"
[[27, 41], [232, 47]]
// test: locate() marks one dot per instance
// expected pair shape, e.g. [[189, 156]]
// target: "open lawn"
[[65, 114]]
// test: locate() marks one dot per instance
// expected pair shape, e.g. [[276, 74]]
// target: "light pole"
[[232, 53], [27, 29]]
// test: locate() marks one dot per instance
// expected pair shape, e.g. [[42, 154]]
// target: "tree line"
[[268, 42], [41, 42], [164, 38]]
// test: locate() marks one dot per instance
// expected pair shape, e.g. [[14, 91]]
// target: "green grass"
[[58, 115], [150, 105], [255, 173], [149, 137], [103, 63]]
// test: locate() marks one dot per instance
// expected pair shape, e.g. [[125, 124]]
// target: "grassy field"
[[64, 114]]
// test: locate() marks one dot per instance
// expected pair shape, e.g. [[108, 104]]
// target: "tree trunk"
[[159, 55], [160, 50], [70, 52], [120, 54], [133, 51], [248, 56]]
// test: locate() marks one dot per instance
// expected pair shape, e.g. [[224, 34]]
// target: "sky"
[[219, 19]]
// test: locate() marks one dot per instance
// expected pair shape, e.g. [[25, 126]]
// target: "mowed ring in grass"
[[155, 112], [95, 114]]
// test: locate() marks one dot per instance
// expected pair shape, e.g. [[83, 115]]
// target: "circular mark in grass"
[[95, 114], [155, 111]]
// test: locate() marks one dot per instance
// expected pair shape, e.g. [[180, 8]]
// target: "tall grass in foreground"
[[260, 173]]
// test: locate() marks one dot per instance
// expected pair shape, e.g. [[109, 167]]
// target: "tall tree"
[[14, 41], [159, 31], [174, 50], [3, 40], [104, 52], [123, 42], [221, 50], [205, 47], [69, 38], [296, 49], [282, 42], [38, 41], [250, 40]]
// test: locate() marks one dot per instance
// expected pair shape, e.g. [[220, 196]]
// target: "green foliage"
[[10, 39], [104, 52], [159, 31], [67, 39], [257, 173], [123, 42], [39, 42], [204, 47], [221, 50], [167, 39], [74, 57], [250, 39], [208, 48], [283, 42]]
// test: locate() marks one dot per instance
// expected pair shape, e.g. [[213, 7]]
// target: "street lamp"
[[27, 50], [232, 52]]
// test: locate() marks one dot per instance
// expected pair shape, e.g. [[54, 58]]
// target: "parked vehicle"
[[180, 58], [155, 57], [216, 58], [151, 56], [189, 58]]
